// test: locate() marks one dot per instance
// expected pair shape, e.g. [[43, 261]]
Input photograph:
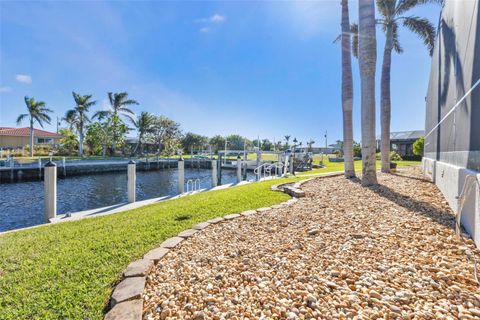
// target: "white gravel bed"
[[342, 252]]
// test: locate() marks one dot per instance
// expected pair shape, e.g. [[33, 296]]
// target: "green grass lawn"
[[339, 166], [67, 270]]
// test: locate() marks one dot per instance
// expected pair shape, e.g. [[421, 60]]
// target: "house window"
[[44, 140]]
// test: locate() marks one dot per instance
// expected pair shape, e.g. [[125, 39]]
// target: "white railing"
[[260, 171], [264, 171], [193, 185]]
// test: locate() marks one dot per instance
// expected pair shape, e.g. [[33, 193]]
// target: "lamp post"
[[292, 164], [225, 152]]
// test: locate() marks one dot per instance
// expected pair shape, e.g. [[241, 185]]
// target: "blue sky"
[[254, 68]]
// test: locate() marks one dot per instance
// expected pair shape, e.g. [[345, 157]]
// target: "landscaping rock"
[[139, 268], [171, 242], [128, 310], [343, 252], [128, 289], [260, 210]]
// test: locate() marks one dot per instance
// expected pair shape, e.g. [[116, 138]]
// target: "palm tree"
[[37, 112], [144, 124], [77, 117], [347, 93], [367, 56], [310, 144], [392, 13], [71, 118], [287, 138], [119, 103]]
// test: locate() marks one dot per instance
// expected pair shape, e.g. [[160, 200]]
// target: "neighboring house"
[[402, 142], [148, 147], [11, 138], [452, 139]]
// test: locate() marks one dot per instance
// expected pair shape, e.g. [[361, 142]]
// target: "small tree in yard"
[[69, 142], [418, 146], [357, 150], [144, 125]]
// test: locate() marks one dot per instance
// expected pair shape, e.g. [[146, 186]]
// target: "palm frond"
[[111, 99], [90, 103], [43, 117], [101, 114], [423, 28], [126, 110], [405, 5], [21, 117], [70, 115], [76, 97], [130, 102], [130, 117], [386, 8], [396, 43]]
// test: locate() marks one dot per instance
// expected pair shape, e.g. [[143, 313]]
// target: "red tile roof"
[[25, 132]]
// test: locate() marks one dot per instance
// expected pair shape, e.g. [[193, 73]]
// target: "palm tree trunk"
[[367, 60], [31, 137], [80, 147], [347, 94], [385, 108], [114, 143]]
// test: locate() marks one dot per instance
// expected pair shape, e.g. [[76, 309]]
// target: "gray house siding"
[[455, 69], [452, 149]]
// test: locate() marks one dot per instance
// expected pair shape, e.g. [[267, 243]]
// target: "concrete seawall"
[[85, 167]]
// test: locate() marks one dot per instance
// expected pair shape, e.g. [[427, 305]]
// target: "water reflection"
[[21, 204]]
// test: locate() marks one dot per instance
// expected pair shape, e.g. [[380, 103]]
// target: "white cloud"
[[23, 78], [216, 18], [205, 29], [5, 89]]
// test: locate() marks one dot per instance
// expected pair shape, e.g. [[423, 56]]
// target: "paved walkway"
[[343, 252]]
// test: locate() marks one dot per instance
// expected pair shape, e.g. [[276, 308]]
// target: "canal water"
[[22, 204]]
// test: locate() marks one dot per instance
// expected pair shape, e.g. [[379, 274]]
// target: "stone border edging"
[[126, 302], [293, 188]]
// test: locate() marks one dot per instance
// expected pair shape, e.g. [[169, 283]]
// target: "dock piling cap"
[[50, 163], [131, 161]]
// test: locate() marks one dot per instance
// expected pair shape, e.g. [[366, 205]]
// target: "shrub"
[[418, 146], [357, 150], [394, 156]]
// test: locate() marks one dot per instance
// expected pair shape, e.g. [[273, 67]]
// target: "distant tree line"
[[104, 132]]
